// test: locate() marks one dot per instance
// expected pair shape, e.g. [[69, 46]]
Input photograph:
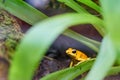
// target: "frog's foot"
[[78, 63], [88, 58]]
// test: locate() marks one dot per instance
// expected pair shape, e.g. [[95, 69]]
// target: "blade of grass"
[[36, 42], [70, 73], [75, 6], [94, 45], [23, 11], [112, 20], [91, 4], [79, 9], [114, 70], [104, 60], [111, 13]]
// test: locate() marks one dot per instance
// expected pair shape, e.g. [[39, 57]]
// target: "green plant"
[[24, 64]]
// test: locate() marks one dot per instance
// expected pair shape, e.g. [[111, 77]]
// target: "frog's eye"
[[74, 51]]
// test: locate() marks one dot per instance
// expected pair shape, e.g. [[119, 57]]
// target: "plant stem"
[[91, 4], [75, 6]]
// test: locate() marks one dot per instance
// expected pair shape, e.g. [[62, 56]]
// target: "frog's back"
[[81, 55]]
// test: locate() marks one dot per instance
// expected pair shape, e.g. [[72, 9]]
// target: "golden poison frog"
[[76, 56]]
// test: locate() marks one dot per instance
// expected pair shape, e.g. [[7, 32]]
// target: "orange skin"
[[76, 55]]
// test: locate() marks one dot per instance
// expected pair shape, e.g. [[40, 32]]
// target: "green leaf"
[[111, 13], [70, 73], [22, 10], [75, 6], [104, 60], [114, 70], [36, 42], [91, 4]]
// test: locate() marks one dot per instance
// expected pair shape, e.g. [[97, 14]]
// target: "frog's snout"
[[67, 51]]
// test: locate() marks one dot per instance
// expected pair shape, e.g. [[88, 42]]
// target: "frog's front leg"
[[71, 64]]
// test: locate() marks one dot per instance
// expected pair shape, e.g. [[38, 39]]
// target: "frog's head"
[[71, 52]]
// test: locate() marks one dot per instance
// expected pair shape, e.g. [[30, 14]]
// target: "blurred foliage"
[[36, 41]]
